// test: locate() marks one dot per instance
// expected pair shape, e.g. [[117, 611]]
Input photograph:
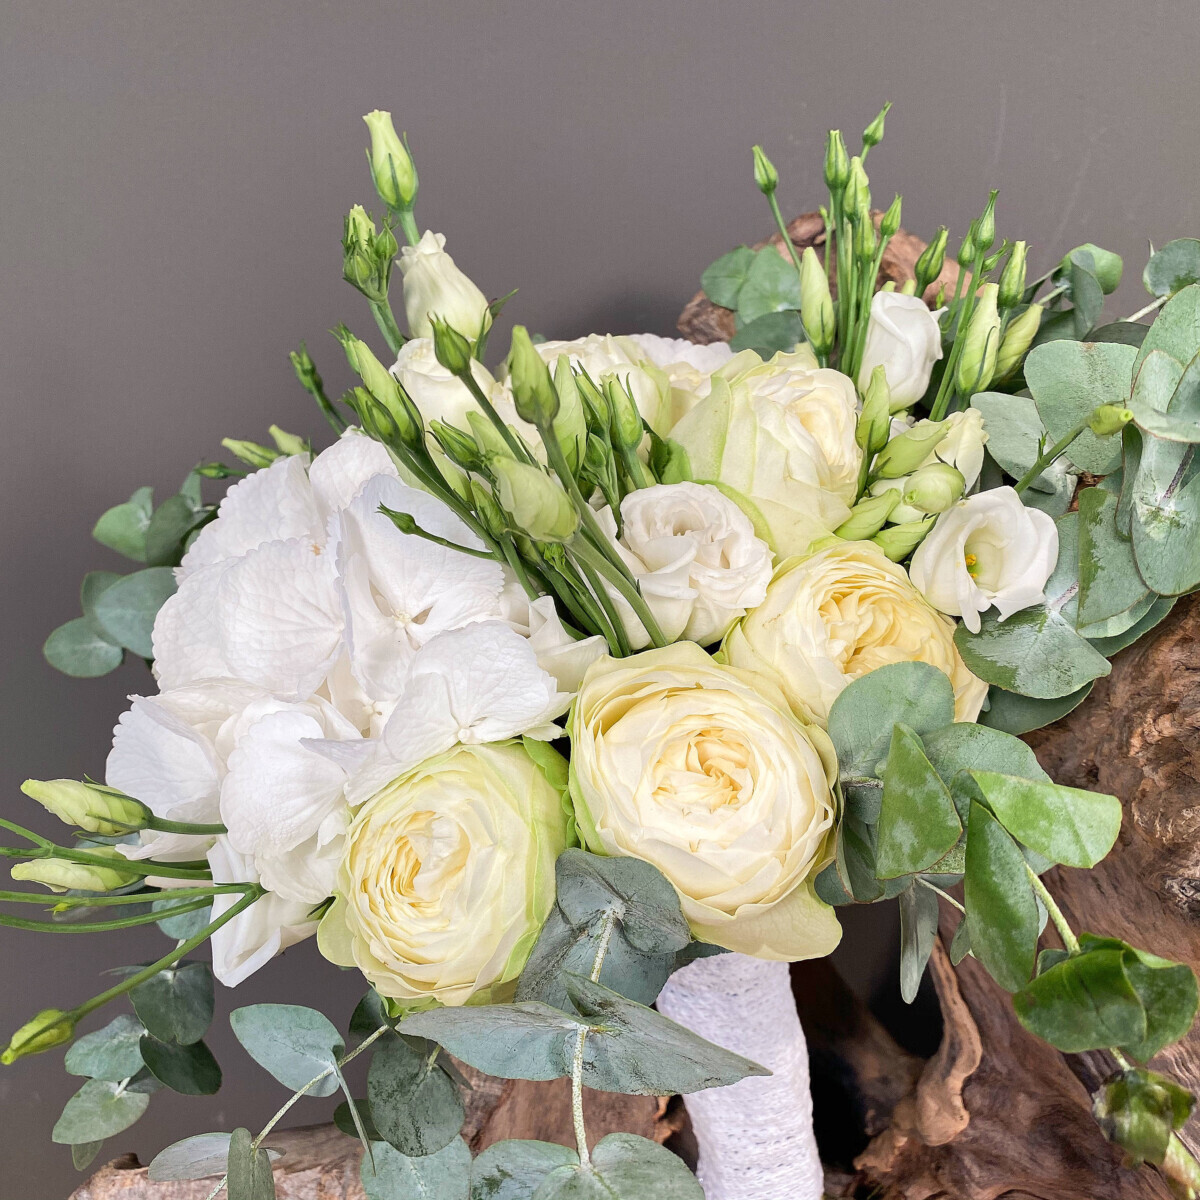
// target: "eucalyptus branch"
[[933, 887], [1069, 940], [1045, 459], [1142, 312], [602, 943]]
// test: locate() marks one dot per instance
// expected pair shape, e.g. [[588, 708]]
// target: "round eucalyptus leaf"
[[112, 1053], [98, 1110], [126, 610], [389, 1175], [514, 1169], [76, 649], [414, 1103], [295, 1044], [1172, 267], [176, 1005], [190, 1070]]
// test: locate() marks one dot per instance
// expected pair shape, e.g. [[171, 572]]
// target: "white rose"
[[691, 766], [435, 287], [838, 614], [689, 368], [695, 557], [779, 439], [989, 549], [904, 338]]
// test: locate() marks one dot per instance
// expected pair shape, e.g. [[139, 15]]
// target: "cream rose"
[[904, 338], [988, 549], [448, 875], [779, 439], [838, 614], [435, 287], [691, 766]]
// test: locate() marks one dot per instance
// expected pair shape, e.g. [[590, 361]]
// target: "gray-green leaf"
[[190, 1070], [123, 527], [513, 1170], [1172, 267], [126, 610], [76, 649], [176, 1005], [249, 1171], [722, 281], [414, 1103], [1013, 713], [295, 1044], [918, 929], [772, 285], [98, 1110], [389, 1175], [202, 1156], [624, 1167], [112, 1053]]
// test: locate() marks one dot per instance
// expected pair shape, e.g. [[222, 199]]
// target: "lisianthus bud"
[[595, 403], [1018, 337], [90, 807], [873, 134], [868, 516], [904, 454], [533, 389], [899, 541], [1108, 419], [907, 288], [816, 304], [866, 242], [536, 503], [435, 287], [1012, 278], [891, 219], [570, 423], [391, 164], [487, 437], [871, 431], [858, 193], [985, 227], [367, 255], [458, 447], [967, 251], [765, 174], [288, 443], [251, 453], [1106, 266], [486, 509], [934, 488], [51, 1027], [977, 363], [626, 425], [383, 387], [59, 875], [933, 258], [306, 369], [837, 162]]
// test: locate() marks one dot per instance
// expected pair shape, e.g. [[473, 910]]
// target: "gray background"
[[172, 182]]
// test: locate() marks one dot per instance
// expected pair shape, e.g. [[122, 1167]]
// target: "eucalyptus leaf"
[[93, 586], [1139, 1109], [1015, 714], [769, 334], [414, 1103], [514, 1169], [343, 1118], [249, 1171], [918, 930], [1114, 626], [78, 650], [1128, 333], [185, 926], [176, 1005], [1002, 914], [203, 1156], [1156, 612], [772, 285], [190, 1070], [293, 1043], [1167, 991], [369, 1014], [960, 943], [112, 1053], [1173, 267], [98, 1110], [172, 521], [83, 1154], [126, 610], [1176, 330], [123, 527], [624, 1167], [1166, 531], [1109, 582], [389, 1175], [722, 281], [1014, 432], [966, 746]]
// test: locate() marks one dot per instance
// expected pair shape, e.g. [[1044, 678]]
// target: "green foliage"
[[723, 280], [293, 1043], [918, 930], [387, 1174], [768, 334], [126, 609], [123, 527], [112, 1053], [513, 1170], [1139, 1110], [248, 1170], [176, 1004], [76, 649], [189, 1069], [198, 1157], [1173, 267], [771, 286], [1109, 583], [99, 1109], [414, 1104]]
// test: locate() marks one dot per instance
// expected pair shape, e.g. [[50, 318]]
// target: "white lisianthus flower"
[[448, 875], [779, 439], [695, 557], [986, 550], [838, 614], [903, 337], [961, 448], [435, 287], [689, 367], [557, 652], [695, 768]]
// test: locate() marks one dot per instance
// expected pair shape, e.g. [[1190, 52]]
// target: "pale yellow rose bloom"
[[694, 767], [448, 875], [837, 614]]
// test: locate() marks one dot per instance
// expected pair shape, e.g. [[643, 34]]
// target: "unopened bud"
[[866, 243], [626, 424], [1108, 419], [934, 488], [868, 516], [51, 1027], [91, 807], [217, 470], [367, 255], [858, 193], [908, 287], [905, 453], [450, 347], [381, 384], [487, 510], [594, 402], [977, 363], [891, 219], [59, 875], [457, 446], [933, 258], [391, 164], [1018, 337], [306, 370], [536, 503], [487, 437], [570, 422], [1012, 278], [871, 432], [533, 389], [985, 227], [251, 453], [288, 443], [968, 249], [765, 174], [899, 541], [873, 134], [816, 304], [837, 162]]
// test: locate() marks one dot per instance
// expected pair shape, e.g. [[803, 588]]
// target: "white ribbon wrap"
[[756, 1137]]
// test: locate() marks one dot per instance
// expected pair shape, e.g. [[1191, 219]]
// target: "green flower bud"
[[487, 510], [1106, 266], [382, 385], [899, 541], [765, 174], [977, 363], [251, 453], [91, 807], [367, 255], [626, 425], [967, 251], [216, 470], [891, 219], [816, 304], [1108, 419], [450, 348], [837, 162], [288, 443], [908, 287], [989, 263], [858, 193], [904, 454], [933, 258], [570, 423], [59, 875], [868, 516], [985, 227], [536, 503], [533, 389], [1012, 278], [866, 243], [391, 164], [934, 488], [873, 134], [594, 402], [306, 369], [487, 437], [51, 1027], [871, 432], [1018, 337]]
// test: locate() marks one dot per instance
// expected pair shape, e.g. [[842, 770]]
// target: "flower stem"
[[624, 583], [104, 926], [1045, 459], [164, 826], [781, 225], [386, 320], [602, 943], [944, 895], [1069, 940], [60, 902]]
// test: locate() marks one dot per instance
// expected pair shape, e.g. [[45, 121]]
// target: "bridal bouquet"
[[602, 676]]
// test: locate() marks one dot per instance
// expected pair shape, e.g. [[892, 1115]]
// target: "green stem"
[[416, 531], [1069, 940], [781, 225], [961, 319], [58, 902], [514, 444], [408, 225], [624, 584], [610, 919], [611, 624], [944, 895], [103, 926], [386, 320], [1141, 312], [129, 866], [1054, 295], [509, 551], [164, 826], [1045, 459]]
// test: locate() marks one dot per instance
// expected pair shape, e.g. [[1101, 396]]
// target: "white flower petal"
[[338, 474]]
